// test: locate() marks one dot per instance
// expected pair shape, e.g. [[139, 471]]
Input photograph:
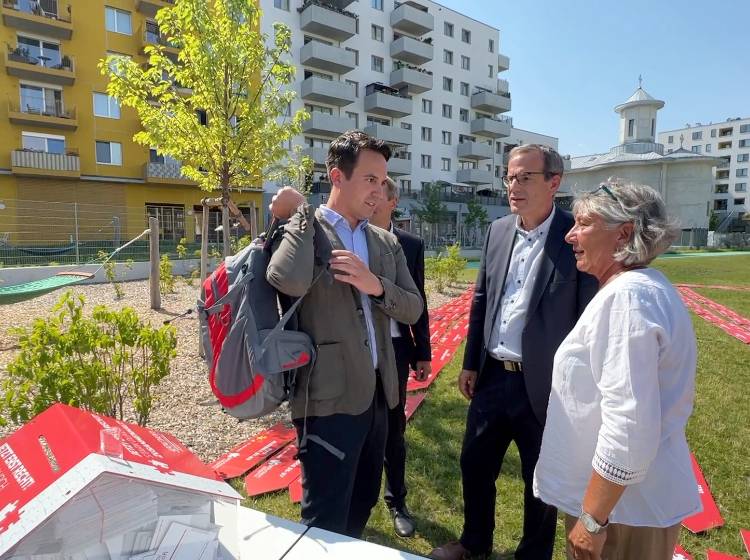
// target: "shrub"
[[110, 271], [166, 279], [181, 249], [106, 364]]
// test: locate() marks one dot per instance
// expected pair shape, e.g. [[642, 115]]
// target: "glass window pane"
[[34, 143], [102, 152], [116, 152], [123, 22], [55, 146], [114, 108], [100, 105], [110, 19]]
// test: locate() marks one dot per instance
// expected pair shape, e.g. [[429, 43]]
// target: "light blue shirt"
[[355, 241]]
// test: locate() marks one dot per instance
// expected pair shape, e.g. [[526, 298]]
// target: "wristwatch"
[[591, 524]]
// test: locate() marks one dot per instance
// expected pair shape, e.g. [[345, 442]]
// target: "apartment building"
[[64, 142], [730, 141], [416, 74]]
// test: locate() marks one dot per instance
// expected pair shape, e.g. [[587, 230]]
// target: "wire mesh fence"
[[38, 233]]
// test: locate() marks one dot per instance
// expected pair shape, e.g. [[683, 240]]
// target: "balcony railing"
[[327, 6], [31, 162], [43, 17], [44, 9], [54, 110]]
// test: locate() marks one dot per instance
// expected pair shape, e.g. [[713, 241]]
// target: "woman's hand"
[[584, 545]]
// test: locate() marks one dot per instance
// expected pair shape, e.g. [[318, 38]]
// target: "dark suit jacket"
[[418, 334], [560, 293]]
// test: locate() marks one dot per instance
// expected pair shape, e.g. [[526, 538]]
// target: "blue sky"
[[572, 61]]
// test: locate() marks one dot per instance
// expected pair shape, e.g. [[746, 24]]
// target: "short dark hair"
[[553, 163], [344, 150]]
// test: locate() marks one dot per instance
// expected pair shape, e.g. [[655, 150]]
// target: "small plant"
[[444, 269], [181, 249], [166, 279], [240, 243], [107, 363], [110, 271]]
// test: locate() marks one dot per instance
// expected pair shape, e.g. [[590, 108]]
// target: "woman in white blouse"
[[614, 456]]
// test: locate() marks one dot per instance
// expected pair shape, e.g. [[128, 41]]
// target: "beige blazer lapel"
[[374, 252]]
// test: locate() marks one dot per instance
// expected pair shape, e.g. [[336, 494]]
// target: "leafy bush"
[[444, 269], [181, 248], [240, 243], [166, 279], [110, 271], [107, 363]]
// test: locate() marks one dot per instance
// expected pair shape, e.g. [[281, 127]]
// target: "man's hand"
[[285, 202], [355, 272], [423, 370], [585, 546], [466, 381]]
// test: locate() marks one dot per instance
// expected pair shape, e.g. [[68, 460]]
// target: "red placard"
[[277, 473], [710, 517], [716, 555], [254, 451], [295, 490], [412, 403], [745, 534], [681, 554]]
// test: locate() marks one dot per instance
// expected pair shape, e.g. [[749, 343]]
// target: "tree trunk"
[[225, 220]]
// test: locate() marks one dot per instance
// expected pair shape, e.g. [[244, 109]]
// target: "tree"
[[220, 107], [476, 217], [431, 209]]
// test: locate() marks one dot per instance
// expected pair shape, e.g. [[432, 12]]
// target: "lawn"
[[718, 434]]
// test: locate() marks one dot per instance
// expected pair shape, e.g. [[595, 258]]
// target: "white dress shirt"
[[623, 385], [525, 261]]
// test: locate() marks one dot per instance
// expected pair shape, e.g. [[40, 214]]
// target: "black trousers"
[[499, 413], [338, 493], [395, 445]]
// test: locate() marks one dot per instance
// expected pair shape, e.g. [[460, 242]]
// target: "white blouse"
[[623, 384]]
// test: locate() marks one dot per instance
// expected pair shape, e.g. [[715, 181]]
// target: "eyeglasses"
[[606, 190], [524, 177]]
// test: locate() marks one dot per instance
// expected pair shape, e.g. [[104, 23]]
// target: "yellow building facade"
[[65, 147]]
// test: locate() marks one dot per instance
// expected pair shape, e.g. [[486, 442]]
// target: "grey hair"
[[391, 189], [553, 163], [653, 229]]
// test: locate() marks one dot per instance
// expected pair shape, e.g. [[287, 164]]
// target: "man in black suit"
[[412, 348], [529, 295]]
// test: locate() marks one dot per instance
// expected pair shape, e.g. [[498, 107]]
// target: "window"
[[720, 205], [377, 33], [203, 115], [744, 128], [708, 148], [631, 127], [744, 144], [721, 189], [447, 56], [447, 137], [447, 111], [743, 157], [741, 172], [427, 106], [740, 187], [465, 63], [445, 164], [466, 36], [491, 45], [447, 83], [464, 88], [354, 117], [155, 157], [696, 149], [117, 21], [37, 142], [171, 220], [356, 55], [463, 115], [426, 161], [725, 145], [310, 108], [377, 4], [490, 71], [406, 126], [355, 87], [106, 106], [653, 128], [44, 53], [670, 140], [713, 133], [109, 153], [38, 100], [405, 186], [739, 201], [377, 64], [498, 147], [281, 4], [698, 135], [448, 29], [426, 134], [116, 60]]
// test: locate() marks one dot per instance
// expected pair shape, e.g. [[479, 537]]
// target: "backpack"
[[250, 355]]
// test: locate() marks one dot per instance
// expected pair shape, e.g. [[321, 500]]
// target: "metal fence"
[[36, 233]]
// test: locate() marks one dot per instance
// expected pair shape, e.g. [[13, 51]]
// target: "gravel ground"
[[184, 404]]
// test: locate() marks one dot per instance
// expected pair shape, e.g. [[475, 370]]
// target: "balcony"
[[19, 63], [149, 7], [318, 155], [474, 176], [399, 166], [502, 86], [331, 92], [386, 101], [489, 102], [45, 164], [503, 63], [320, 124], [327, 20], [412, 20], [474, 150], [494, 128], [391, 134], [327, 58], [32, 17], [414, 80], [150, 36], [52, 116], [165, 172], [412, 50]]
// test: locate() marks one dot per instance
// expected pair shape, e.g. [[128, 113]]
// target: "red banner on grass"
[[277, 473], [710, 517], [254, 451], [716, 555], [412, 403], [681, 554]]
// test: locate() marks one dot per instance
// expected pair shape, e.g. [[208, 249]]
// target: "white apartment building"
[[416, 74], [730, 141]]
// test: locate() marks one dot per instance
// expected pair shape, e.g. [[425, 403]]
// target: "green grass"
[[718, 433]]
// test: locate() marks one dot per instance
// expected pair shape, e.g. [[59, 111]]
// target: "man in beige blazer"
[[357, 279]]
